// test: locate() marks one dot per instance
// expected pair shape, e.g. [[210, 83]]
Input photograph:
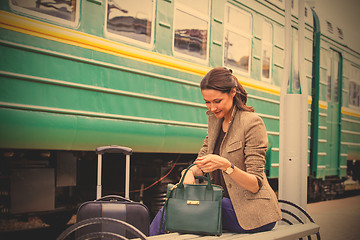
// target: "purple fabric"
[[231, 224], [155, 224], [229, 221]]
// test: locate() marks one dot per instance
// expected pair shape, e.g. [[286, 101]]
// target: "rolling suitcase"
[[112, 206]]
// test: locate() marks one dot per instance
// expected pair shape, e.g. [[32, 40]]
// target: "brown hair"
[[221, 79]]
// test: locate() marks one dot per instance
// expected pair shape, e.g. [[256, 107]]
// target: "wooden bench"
[[282, 232], [296, 228]]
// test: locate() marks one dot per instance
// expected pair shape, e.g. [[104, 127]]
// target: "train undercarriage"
[[52, 184]]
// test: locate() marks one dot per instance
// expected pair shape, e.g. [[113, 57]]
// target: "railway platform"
[[339, 218]]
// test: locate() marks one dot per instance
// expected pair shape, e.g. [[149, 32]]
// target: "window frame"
[[354, 78], [271, 45], [249, 36], [128, 40], [329, 74], [181, 7], [46, 17]]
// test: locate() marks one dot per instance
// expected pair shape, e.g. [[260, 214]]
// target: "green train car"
[[79, 74]]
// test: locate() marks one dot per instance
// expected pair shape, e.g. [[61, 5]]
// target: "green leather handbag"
[[193, 208]]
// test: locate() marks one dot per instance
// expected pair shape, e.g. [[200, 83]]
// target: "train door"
[[334, 80]]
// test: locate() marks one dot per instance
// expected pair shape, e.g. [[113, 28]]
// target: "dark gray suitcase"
[[112, 206]]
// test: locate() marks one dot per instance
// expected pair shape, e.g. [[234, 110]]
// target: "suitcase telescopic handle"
[[114, 149]]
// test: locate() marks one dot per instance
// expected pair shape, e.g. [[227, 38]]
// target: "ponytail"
[[240, 97]]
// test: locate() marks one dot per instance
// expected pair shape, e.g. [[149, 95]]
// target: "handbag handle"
[[181, 184]]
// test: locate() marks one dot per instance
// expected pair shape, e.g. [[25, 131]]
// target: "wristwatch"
[[230, 169]]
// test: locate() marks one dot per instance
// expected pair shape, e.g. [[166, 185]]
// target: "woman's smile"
[[217, 112]]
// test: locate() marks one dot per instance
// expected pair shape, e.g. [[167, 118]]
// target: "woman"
[[234, 153]]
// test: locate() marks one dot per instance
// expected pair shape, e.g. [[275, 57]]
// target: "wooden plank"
[[224, 236], [179, 236], [176, 236], [285, 233]]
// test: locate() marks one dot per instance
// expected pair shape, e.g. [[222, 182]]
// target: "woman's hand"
[[212, 162], [189, 177]]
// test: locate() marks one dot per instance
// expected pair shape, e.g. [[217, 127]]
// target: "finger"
[[201, 165], [199, 162], [209, 167]]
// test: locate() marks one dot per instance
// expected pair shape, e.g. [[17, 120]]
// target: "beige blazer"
[[245, 144]]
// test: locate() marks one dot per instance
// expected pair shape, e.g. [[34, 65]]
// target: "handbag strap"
[[181, 184], [165, 205]]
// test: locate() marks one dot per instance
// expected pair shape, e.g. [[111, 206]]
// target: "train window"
[[191, 23], [333, 77], [237, 39], [354, 94], [336, 78], [61, 11], [329, 70], [354, 87], [126, 20], [266, 54]]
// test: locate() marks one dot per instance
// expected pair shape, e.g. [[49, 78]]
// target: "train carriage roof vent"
[[329, 27], [341, 33]]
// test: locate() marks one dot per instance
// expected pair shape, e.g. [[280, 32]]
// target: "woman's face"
[[218, 102]]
